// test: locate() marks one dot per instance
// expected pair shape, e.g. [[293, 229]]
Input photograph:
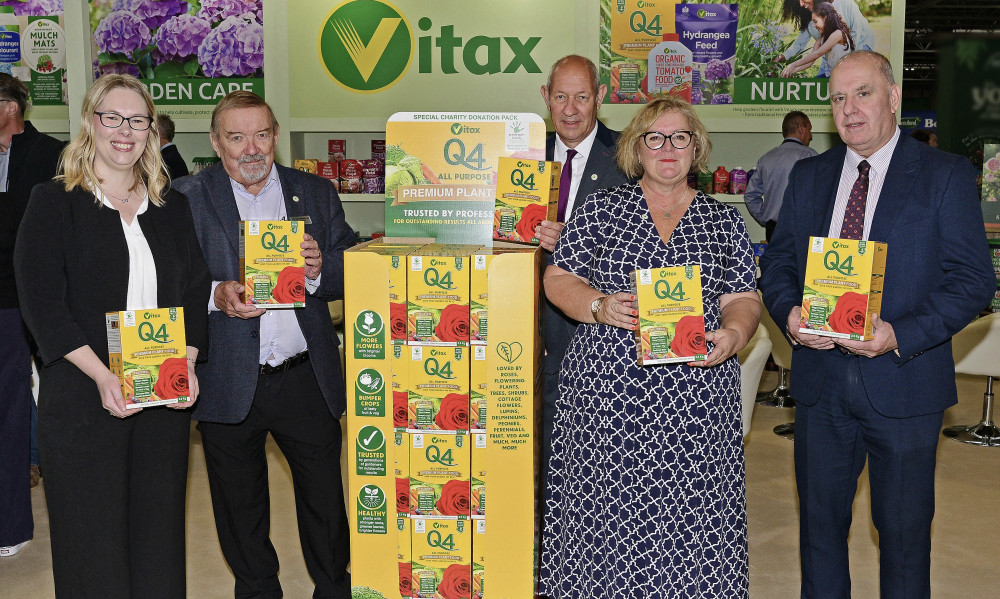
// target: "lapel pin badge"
[[295, 198], [593, 177]]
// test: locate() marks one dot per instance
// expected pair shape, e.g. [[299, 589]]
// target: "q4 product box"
[[478, 559], [478, 374], [148, 352], [437, 292], [441, 558], [843, 287], [395, 259], [400, 364], [308, 165], [527, 194], [478, 475], [272, 264], [404, 526], [479, 296], [440, 464], [438, 393], [671, 315]]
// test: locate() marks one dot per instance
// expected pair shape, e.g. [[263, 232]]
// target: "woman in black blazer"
[[107, 235]]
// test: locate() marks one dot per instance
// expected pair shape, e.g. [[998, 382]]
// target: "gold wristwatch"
[[596, 305]]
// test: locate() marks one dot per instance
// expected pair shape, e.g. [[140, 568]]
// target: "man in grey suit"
[[270, 371], [586, 149]]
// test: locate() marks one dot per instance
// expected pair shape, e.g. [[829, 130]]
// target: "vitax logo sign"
[[367, 46]]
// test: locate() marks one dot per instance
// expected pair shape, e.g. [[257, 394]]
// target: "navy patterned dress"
[[645, 494]]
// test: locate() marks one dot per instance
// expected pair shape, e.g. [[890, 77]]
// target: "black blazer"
[[176, 166], [33, 159], [71, 262]]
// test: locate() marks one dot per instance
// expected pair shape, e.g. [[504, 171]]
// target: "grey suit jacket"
[[600, 172], [229, 377]]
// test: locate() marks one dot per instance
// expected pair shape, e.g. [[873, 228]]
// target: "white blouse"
[[141, 267]]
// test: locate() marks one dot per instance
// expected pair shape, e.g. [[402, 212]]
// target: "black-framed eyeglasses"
[[113, 120], [654, 140]]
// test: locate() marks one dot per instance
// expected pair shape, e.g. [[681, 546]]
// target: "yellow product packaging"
[[437, 291], [438, 393], [404, 555], [440, 464], [401, 461], [148, 352], [271, 263], [479, 297], [477, 389], [309, 165], [843, 287], [671, 315], [395, 259], [478, 558], [441, 558], [527, 194], [478, 475], [400, 364]]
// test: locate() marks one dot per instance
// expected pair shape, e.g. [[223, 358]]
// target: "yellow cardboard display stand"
[[513, 400]]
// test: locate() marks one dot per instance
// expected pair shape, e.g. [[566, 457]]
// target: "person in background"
[[109, 235], [586, 149], [176, 167], [273, 371], [766, 187], [27, 158], [879, 401], [925, 136], [645, 490]]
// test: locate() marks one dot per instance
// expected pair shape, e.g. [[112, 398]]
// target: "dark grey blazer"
[[229, 378], [600, 172]]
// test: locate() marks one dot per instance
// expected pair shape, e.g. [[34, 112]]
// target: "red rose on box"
[[454, 413], [172, 382], [850, 313], [400, 401], [456, 582], [397, 320], [402, 494], [405, 582], [689, 336], [454, 324], [454, 500], [291, 285], [530, 217]]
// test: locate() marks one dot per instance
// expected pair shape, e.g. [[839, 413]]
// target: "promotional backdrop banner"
[[33, 49], [365, 58], [189, 54], [760, 57]]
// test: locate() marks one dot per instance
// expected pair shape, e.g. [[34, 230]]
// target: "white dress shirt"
[[879, 163], [141, 266]]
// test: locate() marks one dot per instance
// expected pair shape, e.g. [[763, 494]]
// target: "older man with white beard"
[[270, 371]]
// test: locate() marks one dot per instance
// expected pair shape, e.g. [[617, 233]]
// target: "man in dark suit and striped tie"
[[586, 149]]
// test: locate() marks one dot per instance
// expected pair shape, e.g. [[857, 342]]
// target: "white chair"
[[752, 359], [977, 351], [781, 349]]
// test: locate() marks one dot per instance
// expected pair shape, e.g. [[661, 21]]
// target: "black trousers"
[[769, 229], [289, 406], [115, 491], [16, 525]]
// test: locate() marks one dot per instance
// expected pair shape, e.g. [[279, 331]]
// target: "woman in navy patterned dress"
[[645, 494]]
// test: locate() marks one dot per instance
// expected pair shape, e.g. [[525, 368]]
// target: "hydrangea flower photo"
[[34, 8], [177, 38]]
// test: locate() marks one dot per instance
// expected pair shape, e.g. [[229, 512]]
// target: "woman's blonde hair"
[[76, 163], [630, 142]]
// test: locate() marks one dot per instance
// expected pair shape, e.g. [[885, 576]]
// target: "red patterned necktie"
[[564, 182], [854, 214]]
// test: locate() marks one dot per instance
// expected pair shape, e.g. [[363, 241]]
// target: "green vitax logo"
[[366, 45]]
